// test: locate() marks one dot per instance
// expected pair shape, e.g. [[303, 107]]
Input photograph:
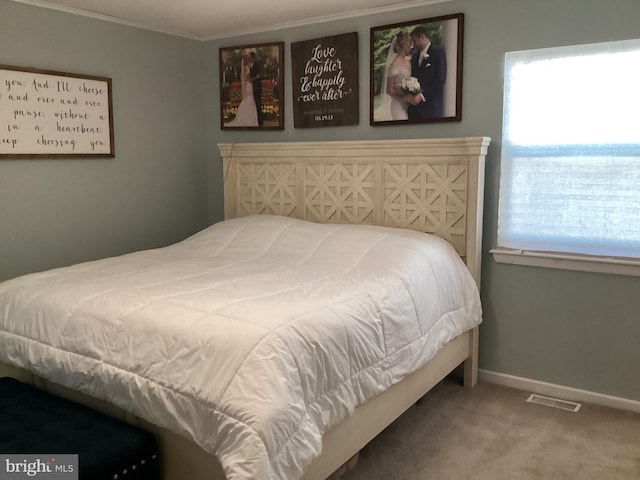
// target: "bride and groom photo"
[[250, 84], [416, 71]]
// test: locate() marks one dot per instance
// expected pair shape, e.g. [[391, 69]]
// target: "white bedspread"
[[251, 338]]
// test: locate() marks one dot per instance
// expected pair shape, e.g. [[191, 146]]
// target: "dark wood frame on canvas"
[[447, 32], [271, 56]]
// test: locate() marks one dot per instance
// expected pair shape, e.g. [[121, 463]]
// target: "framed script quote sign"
[[54, 114], [325, 81]]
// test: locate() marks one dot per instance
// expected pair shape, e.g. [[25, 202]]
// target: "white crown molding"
[[103, 17], [330, 18], [248, 31]]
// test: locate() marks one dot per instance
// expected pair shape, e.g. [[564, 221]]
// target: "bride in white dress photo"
[[247, 114], [393, 102]]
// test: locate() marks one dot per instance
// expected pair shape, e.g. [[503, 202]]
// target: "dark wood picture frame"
[[52, 114], [439, 73], [268, 59]]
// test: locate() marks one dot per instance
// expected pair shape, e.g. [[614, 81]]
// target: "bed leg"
[[471, 363]]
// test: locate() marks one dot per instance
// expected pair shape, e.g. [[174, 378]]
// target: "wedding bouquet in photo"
[[410, 85]]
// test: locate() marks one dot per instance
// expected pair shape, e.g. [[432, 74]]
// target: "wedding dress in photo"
[[393, 107], [398, 107], [247, 114]]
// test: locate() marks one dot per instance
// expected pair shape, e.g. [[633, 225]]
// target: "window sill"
[[567, 261]]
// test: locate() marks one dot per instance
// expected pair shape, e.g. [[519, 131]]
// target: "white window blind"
[[570, 177]]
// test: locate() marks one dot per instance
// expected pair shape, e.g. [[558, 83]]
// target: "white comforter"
[[251, 338]]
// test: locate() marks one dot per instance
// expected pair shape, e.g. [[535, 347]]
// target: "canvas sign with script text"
[[325, 81]]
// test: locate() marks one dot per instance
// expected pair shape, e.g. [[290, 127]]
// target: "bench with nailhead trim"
[[35, 422]]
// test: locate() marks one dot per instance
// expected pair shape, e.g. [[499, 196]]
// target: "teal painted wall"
[[575, 329], [57, 212]]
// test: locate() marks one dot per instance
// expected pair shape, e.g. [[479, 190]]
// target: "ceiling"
[[210, 19]]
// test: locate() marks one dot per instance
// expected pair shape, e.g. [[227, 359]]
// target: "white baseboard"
[[558, 391]]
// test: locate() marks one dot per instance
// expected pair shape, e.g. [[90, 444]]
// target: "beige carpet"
[[492, 433]]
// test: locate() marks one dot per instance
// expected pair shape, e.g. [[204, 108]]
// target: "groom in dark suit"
[[255, 75], [429, 66]]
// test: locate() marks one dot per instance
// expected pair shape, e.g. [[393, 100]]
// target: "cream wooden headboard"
[[431, 185]]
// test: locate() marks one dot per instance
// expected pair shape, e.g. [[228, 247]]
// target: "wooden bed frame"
[[430, 185]]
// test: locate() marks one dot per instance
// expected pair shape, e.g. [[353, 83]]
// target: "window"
[[570, 177]]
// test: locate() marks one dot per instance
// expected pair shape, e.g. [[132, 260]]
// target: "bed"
[[335, 199]]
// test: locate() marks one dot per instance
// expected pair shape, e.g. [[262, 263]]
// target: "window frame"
[[559, 259]]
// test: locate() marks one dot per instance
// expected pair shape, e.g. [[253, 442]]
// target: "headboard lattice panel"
[[339, 193], [430, 185], [267, 189], [429, 198]]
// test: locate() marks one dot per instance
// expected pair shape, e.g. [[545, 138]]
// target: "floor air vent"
[[554, 402]]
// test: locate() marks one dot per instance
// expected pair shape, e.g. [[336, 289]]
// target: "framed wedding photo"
[[252, 87], [416, 71]]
